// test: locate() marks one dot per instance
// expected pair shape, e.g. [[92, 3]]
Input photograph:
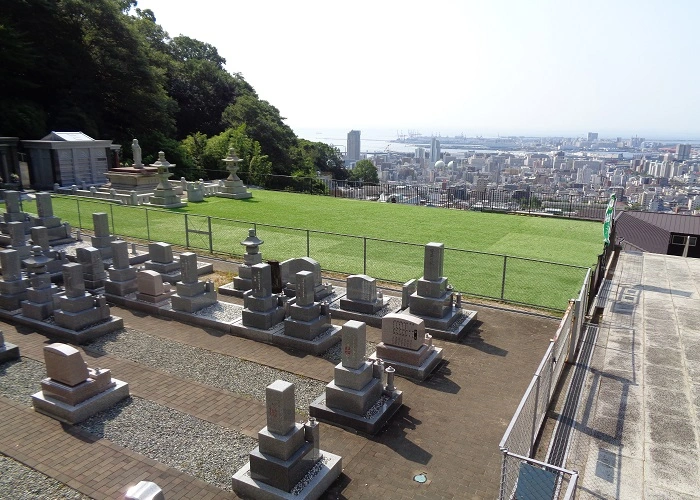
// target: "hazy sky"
[[556, 67]]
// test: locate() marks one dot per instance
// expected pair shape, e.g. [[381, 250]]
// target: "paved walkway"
[[449, 427], [638, 427]]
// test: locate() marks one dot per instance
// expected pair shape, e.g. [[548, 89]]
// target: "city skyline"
[[479, 68]]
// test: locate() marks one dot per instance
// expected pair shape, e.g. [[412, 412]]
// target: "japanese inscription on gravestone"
[[403, 331]]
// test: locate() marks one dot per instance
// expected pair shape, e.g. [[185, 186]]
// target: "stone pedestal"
[[433, 299], [406, 347], [78, 309], [161, 258], [164, 195], [192, 295], [307, 318], [13, 287], [151, 288], [102, 239], [252, 256], [73, 392], [362, 296], [356, 398], [59, 232], [8, 351], [287, 452], [94, 272], [17, 239], [233, 186], [263, 310], [122, 277], [289, 269], [39, 304], [13, 212]]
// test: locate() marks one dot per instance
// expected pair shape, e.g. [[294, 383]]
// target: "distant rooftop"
[[67, 136]]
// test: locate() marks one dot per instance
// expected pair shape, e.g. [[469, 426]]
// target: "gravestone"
[[362, 296], [151, 288], [161, 258], [93, 268], [102, 239], [59, 233], [406, 347], [355, 397], [78, 309], [16, 231], [40, 237], [289, 269], [122, 277], [233, 186], [13, 212], [195, 192], [307, 318], [433, 300], [263, 310], [287, 452], [192, 295], [73, 392], [39, 303], [8, 351], [13, 287]]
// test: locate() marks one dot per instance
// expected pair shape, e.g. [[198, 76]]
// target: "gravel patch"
[[21, 378], [222, 312], [20, 482], [192, 363], [178, 440]]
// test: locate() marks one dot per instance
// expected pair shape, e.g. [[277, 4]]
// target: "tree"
[[364, 171], [320, 157]]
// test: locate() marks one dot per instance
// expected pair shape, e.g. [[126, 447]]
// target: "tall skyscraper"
[[592, 136], [434, 151], [683, 152], [353, 152]]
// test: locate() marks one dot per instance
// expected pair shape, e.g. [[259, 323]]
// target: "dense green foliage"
[[109, 69], [364, 171]]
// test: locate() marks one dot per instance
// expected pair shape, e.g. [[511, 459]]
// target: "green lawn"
[[569, 242]]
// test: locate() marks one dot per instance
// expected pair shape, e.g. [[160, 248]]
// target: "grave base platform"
[[375, 320], [247, 487], [275, 336], [234, 196], [359, 423], [452, 327], [418, 373], [74, 414], [52, 330], [175, 276], [230, 291], [8, 352]]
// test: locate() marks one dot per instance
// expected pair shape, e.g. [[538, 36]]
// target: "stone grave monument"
[[357, 396], [13, 287], [288, 462], [59, 233], [191, 295], [164, 195], [13, 213], [151, 288], [122, 277], [17, 240], [137, 178], [252, 256], [161, 260], [79, 311], [307, 318], [93, 268], [233, 186], [362, 295], [8, 351], [434, 302], [102, 239], [40, 237], [39, 304], [73, 392], [289, 269], [263, 310], [406, 347]]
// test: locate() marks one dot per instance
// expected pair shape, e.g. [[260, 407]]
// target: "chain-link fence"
[[529, 282], [529, 479]]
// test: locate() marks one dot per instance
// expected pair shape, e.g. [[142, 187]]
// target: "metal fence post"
[[148, 227], [503, 280], [534, 431], [364, 256], [308, 243], [111, 216], [211, 237], [187, 233], [80, 221]]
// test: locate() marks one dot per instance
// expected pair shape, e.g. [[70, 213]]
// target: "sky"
[[487, 67]]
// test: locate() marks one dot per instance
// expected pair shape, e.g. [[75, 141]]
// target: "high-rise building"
[[683, 152], [353, 151], [592, 136], [434, 151]]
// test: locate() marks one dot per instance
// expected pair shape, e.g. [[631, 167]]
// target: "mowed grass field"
[[292, 224]]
